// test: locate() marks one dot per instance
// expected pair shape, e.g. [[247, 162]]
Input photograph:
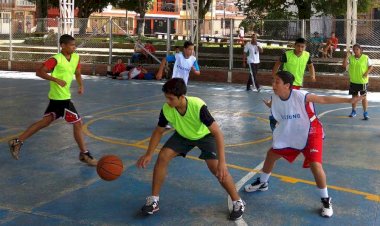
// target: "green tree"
[[305, 8], [140, 7], [41, 12]]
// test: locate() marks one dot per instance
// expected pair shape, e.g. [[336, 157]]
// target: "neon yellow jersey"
[[64, 70], [356, 69], [188, 126], [296, 65]]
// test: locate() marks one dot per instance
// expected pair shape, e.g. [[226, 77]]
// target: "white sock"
[[264, 177], [234, 202], [157, 198], [323, 193]]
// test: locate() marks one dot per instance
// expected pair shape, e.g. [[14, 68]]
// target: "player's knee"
[[163, 157]]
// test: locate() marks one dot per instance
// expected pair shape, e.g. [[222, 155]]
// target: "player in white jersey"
[[184, 63], [298, 131]]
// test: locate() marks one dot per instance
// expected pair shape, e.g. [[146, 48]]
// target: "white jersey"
[[182, 66], [293, 120], [254, 53]]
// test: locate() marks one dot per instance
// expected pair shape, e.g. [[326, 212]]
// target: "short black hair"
[[65, 39], [286, 77], [187, 44], [175, 86], [301, 41], [357, 45]]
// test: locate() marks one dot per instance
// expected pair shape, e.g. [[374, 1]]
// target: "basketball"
[[109, 167]]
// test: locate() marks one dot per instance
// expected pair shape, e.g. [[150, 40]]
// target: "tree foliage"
[[140, 7], [301, 9]]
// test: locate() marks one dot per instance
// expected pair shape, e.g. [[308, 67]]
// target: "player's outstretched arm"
[[331, 99], [161, 69], [276, 67], [144, 160]]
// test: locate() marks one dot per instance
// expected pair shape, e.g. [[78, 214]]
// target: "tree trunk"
[[83, 14], [41, 14], [141, 26]]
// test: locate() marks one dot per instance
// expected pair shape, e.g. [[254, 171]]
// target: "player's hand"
[[159, 75], [268, 103], [313, 79], [80, 90], [60, 82], [222, 172], [365, 75], [143, 161]]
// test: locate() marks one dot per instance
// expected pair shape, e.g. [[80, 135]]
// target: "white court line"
[[240, 184], [248, 176]]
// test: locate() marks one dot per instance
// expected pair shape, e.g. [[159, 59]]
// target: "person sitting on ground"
[[134, 73], [118, 68]]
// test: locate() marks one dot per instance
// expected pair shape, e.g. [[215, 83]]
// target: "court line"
[[369, 196]]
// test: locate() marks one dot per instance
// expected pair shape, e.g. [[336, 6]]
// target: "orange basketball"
[[109, 167]]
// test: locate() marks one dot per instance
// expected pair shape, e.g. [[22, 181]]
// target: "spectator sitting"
[[118, 68], [315, 44], [334, 44], [134, 73], [137, 51], [325, 49], [149, 48]]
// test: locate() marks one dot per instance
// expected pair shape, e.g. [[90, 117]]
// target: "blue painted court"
[[50, 186]]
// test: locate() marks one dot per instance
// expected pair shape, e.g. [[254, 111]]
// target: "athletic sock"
[[234, 202], [264, 177], [323, 192], [157, 198]]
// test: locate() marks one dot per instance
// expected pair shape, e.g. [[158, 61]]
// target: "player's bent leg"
[[16, 143], [84, 155], [229, 185], [261, 183], [159, 173]]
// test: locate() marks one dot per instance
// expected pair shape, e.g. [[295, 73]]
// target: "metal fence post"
[[10, 45], [109, 66], [231, 52], [168, 36], [59, 32], [303, 27]]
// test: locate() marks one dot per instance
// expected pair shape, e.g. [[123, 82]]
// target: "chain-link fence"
[[103, 40]]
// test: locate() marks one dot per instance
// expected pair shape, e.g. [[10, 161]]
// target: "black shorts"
[[355, 89], [182, 146], [63, 108]]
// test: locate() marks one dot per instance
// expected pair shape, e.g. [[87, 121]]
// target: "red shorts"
[[313, 150]]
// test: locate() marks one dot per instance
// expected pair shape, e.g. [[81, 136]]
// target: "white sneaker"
[[256, 186], [327, 210]]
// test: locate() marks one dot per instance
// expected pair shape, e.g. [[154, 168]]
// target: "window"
[[228, 23], [22, 3]]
